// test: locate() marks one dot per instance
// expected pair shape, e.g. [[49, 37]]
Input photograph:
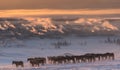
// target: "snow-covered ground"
[[22, 49]]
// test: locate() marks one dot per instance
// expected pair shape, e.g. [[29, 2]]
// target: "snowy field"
[[22, 49], [13, 49]]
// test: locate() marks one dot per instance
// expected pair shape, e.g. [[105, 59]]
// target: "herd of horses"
[[89, 57]]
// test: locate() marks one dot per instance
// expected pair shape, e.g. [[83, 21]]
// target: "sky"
[[38, 7], [59, 4]]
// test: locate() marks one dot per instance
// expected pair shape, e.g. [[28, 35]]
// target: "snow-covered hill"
[[49, 27]]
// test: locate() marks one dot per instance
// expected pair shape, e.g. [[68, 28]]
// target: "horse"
[[89, 57], [37, 61], [110, 56], [41, 60], [18, 63]]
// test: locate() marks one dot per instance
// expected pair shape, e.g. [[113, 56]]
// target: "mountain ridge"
[[49, 28]]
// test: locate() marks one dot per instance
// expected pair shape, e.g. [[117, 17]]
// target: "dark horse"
[[36, 61], [18, 63], [110, 56]]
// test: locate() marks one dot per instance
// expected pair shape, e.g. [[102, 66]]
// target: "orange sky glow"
[[22, 12]]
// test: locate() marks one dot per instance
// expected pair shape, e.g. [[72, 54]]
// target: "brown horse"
[[109, 56], [34, 63], [37, 61], [18, 63], [41, 60]]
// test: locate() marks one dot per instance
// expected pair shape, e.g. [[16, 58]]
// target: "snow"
[[16, 49], [83, 66], [35, 47]]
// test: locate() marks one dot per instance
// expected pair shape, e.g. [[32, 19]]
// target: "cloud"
[[37, 12], [59, 4]]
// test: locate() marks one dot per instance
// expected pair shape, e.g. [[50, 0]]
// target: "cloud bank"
[[37, 12]]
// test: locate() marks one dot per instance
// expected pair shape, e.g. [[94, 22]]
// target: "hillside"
[[53, 28]]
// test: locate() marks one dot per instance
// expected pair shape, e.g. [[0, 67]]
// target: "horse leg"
[[38, 65], [32, 65], [16, 65], [22, 65]]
